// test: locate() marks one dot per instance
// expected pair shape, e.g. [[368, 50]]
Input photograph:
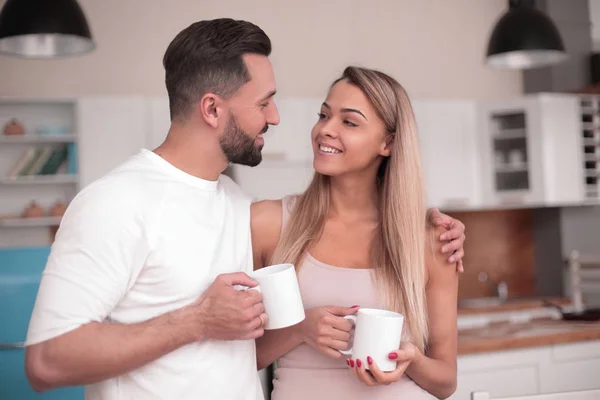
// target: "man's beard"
[[239, 147]]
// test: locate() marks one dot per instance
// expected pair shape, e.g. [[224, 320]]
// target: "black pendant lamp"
[[44, 29], [525, 38]]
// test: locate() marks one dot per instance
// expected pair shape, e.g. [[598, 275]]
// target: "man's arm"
[[98, 351], [100, 248]]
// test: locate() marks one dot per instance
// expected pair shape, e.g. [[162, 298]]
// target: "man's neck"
[[193, 152]]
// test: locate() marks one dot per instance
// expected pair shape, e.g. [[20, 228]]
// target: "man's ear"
[[387, 146], [210, 108]]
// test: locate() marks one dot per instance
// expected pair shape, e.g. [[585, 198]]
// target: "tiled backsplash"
[[500, 246]]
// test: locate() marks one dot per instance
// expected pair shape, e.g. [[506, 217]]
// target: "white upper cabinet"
[[532, 151], [111, 129], [449, 152]]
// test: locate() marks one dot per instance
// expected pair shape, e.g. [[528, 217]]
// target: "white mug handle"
[[351, 318]]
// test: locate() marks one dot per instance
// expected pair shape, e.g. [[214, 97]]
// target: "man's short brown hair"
[[206, 57]]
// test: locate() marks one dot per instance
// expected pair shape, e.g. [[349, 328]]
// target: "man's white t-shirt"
[[144, 240]]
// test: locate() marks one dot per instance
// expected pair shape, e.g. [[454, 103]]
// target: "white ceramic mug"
[[376, 334], [281, 295]]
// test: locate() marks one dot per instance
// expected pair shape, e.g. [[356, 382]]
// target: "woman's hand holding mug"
[[326, 329]]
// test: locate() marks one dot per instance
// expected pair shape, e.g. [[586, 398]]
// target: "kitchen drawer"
[[14, 384], [20, 274], [516, 381]]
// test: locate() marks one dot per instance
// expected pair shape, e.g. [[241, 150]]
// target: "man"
[[137, 300]]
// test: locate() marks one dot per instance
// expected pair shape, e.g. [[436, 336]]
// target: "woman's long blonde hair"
[[398, 248]]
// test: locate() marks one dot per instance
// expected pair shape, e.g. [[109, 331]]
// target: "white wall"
[[433, 47]]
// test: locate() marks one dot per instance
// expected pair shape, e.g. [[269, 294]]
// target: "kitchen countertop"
[[507, 335], [514, 305], [519, 324]]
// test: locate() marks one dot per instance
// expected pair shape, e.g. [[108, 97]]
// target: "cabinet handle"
[[13, 345]]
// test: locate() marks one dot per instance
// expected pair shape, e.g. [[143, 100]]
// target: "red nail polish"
[[347, 362], [355, 306], [392, 356], [352, 363], [358, 363], [369, 360]]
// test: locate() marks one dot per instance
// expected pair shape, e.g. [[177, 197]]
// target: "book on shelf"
[[72, 158], [45, 160]]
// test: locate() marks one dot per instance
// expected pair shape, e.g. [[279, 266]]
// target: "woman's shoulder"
[[265, 228], [266, 206], [267, 220], [267, 209], [266, 213]]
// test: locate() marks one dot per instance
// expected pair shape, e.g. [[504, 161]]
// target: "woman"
[[358, 237]]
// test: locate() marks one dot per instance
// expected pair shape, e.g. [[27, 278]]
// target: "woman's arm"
[[265, 223], [435, 371], [324, 328], [265, 226]]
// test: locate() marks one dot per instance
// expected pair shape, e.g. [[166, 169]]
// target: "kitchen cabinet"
[[274, 179], [590, 136], [539, 150], [287, 155], [531, 150], [521, 152], [572, 366], [111, 129], [20, 274], [114, 128], [291, 139], [448, 136], [492, 372], [523, 381], [449, 152], [539, 370]]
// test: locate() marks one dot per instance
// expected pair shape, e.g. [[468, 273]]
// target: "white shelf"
[[39, 180], [507, 134], [24, 139], [587, 110], [47, 123], [590, 126], [29, 222], [591, 142], [591, 157], [507, 168], [591, 191]]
